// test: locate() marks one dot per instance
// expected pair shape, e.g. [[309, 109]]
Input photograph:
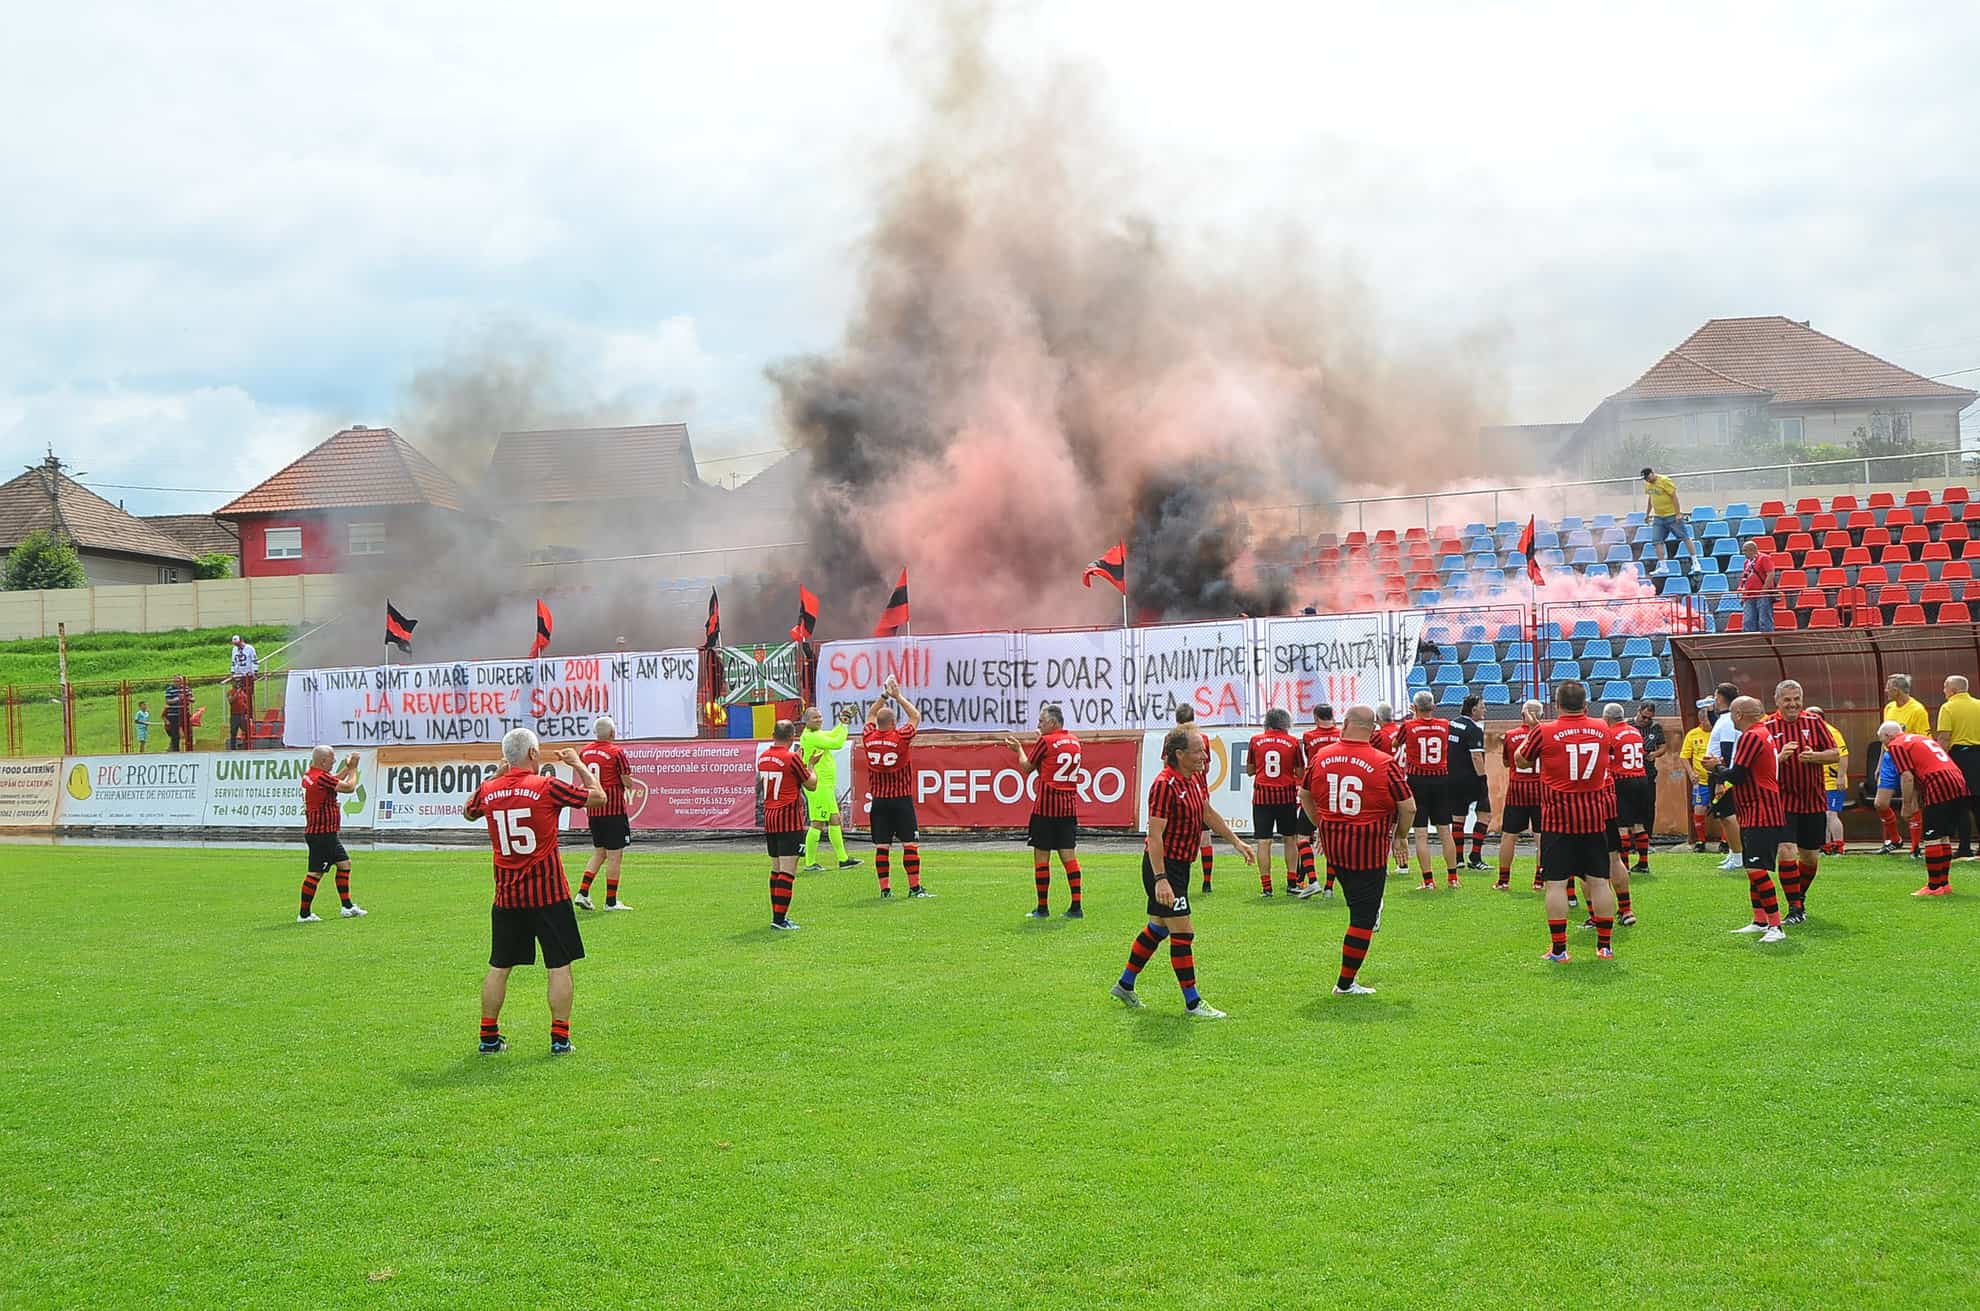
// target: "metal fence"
[[101, 717]]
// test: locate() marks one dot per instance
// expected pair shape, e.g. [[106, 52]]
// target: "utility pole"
[[50, 470]]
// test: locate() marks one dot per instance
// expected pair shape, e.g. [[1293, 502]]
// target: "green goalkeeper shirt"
[[815, 747]]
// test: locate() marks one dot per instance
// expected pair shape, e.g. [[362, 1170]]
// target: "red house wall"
[[326, 537]]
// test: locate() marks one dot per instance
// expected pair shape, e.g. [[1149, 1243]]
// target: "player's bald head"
[[883, 717], [519, 745], [320, 757], [1889, 729], [1359, 724], [1747, 710], [784, 731]]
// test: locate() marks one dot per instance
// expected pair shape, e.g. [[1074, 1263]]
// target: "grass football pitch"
[[936, 1104]]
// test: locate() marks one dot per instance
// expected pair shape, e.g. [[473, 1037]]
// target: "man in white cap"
[[244, 665]]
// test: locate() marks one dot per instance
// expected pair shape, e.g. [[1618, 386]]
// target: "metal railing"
[[99, 717]]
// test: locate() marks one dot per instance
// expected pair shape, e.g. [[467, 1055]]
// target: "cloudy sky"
[[228, 234]]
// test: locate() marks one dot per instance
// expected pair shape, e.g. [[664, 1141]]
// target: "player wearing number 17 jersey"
[[1053, 762], [782, 780], [532, 899], [1355, 794], [1274, 762], [1573, 754], [888, 746]]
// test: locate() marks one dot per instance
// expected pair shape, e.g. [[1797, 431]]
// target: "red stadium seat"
[[1362, 601], [1786, 525], [1874, 538], [1766, 544], [1914, 573], [1823, 617], [1797, 543], [1959, 494], [1837, 541], [1734, 623], [1907, 615], [1791, 580], [1445, 531], [1895, 553], [1971, 514], [1769, 509], [1915, 535], [1934, 594], [1816, 559], [1416, 535], [1784, 620], [1810, 598], [1386, 535], [1893, 594], [1954, 533], [1933, 551], [1959, 571], [1808, 505], [1357, 538], [1849, 596], [1865, 616], [1882, 500], [1872, 576], [1822, 523], [1830, 580], [1842, 503], [1971, 551], [1860, 521], [1938, 514], [1450, 546], [1855, 558], [1900, 517], [1918, 496], [1955, 613]]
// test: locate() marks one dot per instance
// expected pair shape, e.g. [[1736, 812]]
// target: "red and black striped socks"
[[1265, 878], [1806, 875], [1557, 936], [490, 1029], [911, 862], [1182, 957], [1642, 844], [1938, 865], [560, 1031], [1041, 877], [780, 895], [1605, 928], [1354, 950], [1478, 839], [1306, 863], [611, 889], [584, 884], [1144, 946], [1766, 907], [1209, 863], [1789, 873], [308, 892], [344, 887], [1072, 878], [1622, 904], [883, 860]]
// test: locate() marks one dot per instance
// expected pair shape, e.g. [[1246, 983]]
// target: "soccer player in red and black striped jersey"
[[1805, 750], [1754, 773], [323, 821], [1572, 751], [1632, 783], [1387, 737], [1424, 746], [1356, 795], [1325, 732], [1934, 784], [782, 779], [532, 900], [1178, 812], [1186, 718], [1274, 762], [1523, 792], [611, 826], [1053, 762], [889, 748]]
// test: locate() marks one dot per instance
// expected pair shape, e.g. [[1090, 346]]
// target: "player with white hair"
[[323, 819], [611, 826]]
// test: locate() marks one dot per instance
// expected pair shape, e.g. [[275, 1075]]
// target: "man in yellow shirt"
[[1666, 516], [1959, 734], [1835, 779], [1908, 713], [1691, 756]]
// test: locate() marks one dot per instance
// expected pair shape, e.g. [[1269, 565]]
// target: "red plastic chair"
[[1972, 549], [1766, 544], [1791, 580], [1786, 525], [1918, 496], [1797, 543], [1831, 579], [1810, 598], [1957, 494], [1824, 618], [1955, 613], [1893, 594], [1837, 540], [1784, 621], [1915, 535], [1895, 553], [1873, 576], [1816, 559], [1386, 535], [1734, 623], [1914, 573], [1971, 514], [1953, 534], [1860, 521], [1417, 535], [1934, 594], [1808, 505], [1877, 538], [1959, 571], [1882, 500], [1901, 517], [1842, 503], [1855, 557], [1906, 616], [1866, 616], [1937, 514], [1357, 538], [1823, 522], [1932, 551]]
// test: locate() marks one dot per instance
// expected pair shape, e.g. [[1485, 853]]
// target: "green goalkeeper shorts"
[[822, 803]]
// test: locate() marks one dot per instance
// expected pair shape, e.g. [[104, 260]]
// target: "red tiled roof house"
[[365, 496]]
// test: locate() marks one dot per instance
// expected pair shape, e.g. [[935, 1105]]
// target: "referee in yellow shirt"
[[1667, 525], [1909, 714], [1959, 734]]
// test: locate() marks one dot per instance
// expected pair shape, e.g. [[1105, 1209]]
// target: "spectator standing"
[[1959, 733], [141, 721], [1667, 525], [243, 666], [240, 718], [175, 714], [1756, 589]]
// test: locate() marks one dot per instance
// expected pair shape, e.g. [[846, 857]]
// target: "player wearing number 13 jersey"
[[1355, 793], [888, 748], [532, 899], [1053, 762], [1573, 754], [1426, 755]]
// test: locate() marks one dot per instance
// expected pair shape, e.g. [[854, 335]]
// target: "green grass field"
[[935, 1103], [147, 661]]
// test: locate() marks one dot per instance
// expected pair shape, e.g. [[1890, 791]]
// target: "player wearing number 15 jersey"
[[1053, 762], [782, 780], [1274, 762], [1355, 794], [532, 899], [1573, 754], [888, 746]]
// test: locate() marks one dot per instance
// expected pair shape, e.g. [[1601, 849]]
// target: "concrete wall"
[[161, 607], [108, 569]]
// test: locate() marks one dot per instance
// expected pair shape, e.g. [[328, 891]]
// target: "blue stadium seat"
[[1597, 571], [1598, 669], [1616, 690], [1710, 565], [1518, 650], [1583, 555], [1641, 537], [1510, 633], [1633, 518], [1484, 560], [1446, 674], [1450, 564], [1679, 585], [1636, 646], [1714, 530], [1585, 629], [1550, 558], [1602, 521], [1559, 650], [1619, 554], [1452, 696], [1736, 510], [1419, 677], [1472, 633], [1497, 694], [1546, 539], [1713, 584], [1477, 529], [1661, 690], [1488, 674], [1548, 631], [1751, 527], [1481, 652], [1563, 669], [1646, 667], [1597, 648], [1513, 560], [1579, 537], [1703, 513], [1728, 605], [1489, 577], [1569, 523], [1522, 674], [1480, 543], [1430, 596]]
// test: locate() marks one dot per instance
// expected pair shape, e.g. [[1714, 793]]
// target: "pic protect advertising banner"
[[28, 789], [168, 790], [979, 785], [263, 789]]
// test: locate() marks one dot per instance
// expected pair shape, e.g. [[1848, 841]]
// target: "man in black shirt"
[[1656, 746], [1468, 785]]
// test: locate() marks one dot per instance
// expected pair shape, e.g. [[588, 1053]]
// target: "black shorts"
[[1726, 806], [1574, 855], [611, 832], [1759, 847], [1054, 832], [1466, 793], [1433, 799], [1177, 873], [1518, 819], [784, 844], [1303, 826], [325, 850], [1942, 820], [1270, 820], [1634, 801], [515, 931], [892, 820], [1810, 832]]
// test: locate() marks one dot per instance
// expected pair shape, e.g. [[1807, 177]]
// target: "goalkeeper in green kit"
[[815, 748]]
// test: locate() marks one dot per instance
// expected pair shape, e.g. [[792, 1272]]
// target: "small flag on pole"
[[807, 620], [712, 633], [542, 642], [895, 617], [398, 628], [1526, 549], [1112, 566]]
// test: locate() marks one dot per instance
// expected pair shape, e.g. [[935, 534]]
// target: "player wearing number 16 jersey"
[[1274, 763], [782, 780], [1573, 754], [532, 899], [1053, 761], [888, 746], [1355, 794], [1426, 755]]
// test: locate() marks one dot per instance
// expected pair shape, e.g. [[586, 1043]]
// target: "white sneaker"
[[1125, 995], [352, 912], [1731, 863], [786, 925], [1774, 933], [617, 905], [311, 918], [1307, 891], [1203, 1010], [583, 901], [1353, 990], [1751, 928]]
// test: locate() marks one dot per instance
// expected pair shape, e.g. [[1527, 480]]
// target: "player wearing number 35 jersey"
[[1053, 762], [1573, 754], [532, 900], [1355, 794]]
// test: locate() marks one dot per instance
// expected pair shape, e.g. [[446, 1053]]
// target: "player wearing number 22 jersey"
[[1053, 762], [1353, 791]]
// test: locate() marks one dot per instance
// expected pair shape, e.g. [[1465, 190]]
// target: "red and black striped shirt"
[[1803, 788], [780, 782], [608, 761], [889, 760], [1354, 788], [1522, 781], [522, 809], [1275, 763], [1055, 760], [1627, 748], [1180, 801], [1758, 801], [1426, 747], [1932, 771], [1573, 755], [322, 812]]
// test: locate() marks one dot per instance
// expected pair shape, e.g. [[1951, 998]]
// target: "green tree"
[[1631, 454], [43, 560], [215, 564]]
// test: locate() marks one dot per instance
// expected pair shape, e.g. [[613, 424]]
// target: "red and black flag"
[[895, 617], [398, 628], [807, 622], [1111, 566], [711, 634], [1526, 549], [542, 642]]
